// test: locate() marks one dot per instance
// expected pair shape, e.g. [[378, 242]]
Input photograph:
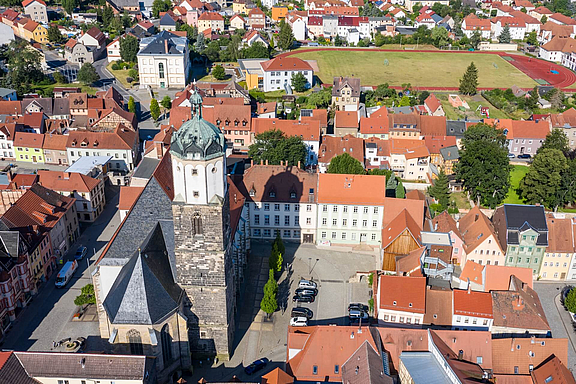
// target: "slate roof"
[[144, 291], [146, 168], [455, 128], [155, 45], [12, 371], [450, 153], [167, 20], [520, 218]]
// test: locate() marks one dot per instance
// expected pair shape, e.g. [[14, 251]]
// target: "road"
[[48, 316]]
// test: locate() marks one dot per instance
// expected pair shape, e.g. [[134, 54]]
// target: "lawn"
[[424, 69], [120, 75], [461, 200], [456, 114], [518, 172]]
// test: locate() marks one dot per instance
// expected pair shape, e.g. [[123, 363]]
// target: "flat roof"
[[424, 368], [85, 164], [252, 66]]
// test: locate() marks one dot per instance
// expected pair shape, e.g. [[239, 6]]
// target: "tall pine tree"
[[505, 37], [441, 191], [469, 82]]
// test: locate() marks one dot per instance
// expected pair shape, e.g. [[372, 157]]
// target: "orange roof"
[[121, 138], [434, 143], [31, 25], [277, 376], [562, 19], [515, 352], [497, 277], [542, 10], [307, 130], [55, 142], [332, 146], [432, 125], [473, 271], [346, 119], [67, 181], [380, 112], [9, 107], [472, 303], [560, 234], [402, 293], [473, 23], [26, 3], [288, 63], [374, 125], [475, 228], [397, 226], [210, 16], [394, 206], [28, 140], [432, 102], [553, 368], [128, 196], [351, 189], [382, 146], [401, 146], [445, 223]]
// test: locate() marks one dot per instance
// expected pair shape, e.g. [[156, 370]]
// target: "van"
[[66, 273]]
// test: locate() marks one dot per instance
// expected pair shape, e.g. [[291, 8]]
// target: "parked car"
[[524, 156], [511, 155], [303, 298], [357, 315], [358, 306], [306, 291], [256, 366], [299, 322], [299, 311], [80, 253], [307, 284]]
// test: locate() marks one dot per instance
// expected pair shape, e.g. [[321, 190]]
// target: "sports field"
[[424, 69]]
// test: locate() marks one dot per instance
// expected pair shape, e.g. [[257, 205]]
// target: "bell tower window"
[[197, 224]]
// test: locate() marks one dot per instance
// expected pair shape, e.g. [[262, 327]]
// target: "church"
[[167, 282]]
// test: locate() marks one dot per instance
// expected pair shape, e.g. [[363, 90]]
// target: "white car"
[[307, 284], [299, 322]]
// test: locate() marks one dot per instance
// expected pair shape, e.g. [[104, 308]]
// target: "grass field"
[[424, 69], [518, 172]]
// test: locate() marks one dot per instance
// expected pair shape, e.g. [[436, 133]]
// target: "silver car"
[[307, 284]]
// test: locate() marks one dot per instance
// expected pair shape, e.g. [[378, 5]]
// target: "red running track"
[[532, 67]]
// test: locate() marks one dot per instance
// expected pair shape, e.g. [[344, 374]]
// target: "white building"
[[517, 27], [558, 50], [7, 132], [164, 61], [401, 299], [36, 9], [113, 50], [278, 72], [472, 310]]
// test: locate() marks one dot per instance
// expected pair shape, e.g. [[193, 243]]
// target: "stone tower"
[[202, 233]]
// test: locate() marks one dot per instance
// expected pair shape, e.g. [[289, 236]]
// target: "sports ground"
[[435, 69]]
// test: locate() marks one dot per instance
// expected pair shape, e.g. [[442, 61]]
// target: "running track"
[[532, 67]]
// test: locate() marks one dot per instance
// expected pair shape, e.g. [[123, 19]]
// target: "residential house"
[[523, 136], [88, 192], [346, 93], [113, 50], [78, 53], [401, 299], [561, 19], [278, 72], [435, 144], [377, 153], [403, 222], [376, 127], [561, 247], [523, 234], [433, 106], [95, 40], [551, 29], [540, 12], [472, 23], [346, 214], [481, 243], [566, 121], [444, 223], [410, 159], [425, 19], [167, 22], [553, 368], [520, 356], [450, 156], [237, 22], [516, 25], [408, 4], [472, 310], [110, 118], [320, 115], [7, 135], [279, 12], [210, 20], [256, 19], [558, 49], [268, 110], [28, 147], [254, 37], [54, 149], [332, 146], [36, 10], [163, 61], [346, 123], [487, 278], [233, 119], [532, 23], [315, 26]]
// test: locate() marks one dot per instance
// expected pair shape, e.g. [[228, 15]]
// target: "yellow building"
[[556, 261], [279, 13], [252, 72], [239, 7], [40, 34], [28, 147]]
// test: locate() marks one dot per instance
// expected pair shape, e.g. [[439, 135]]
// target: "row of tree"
[[269, 302]]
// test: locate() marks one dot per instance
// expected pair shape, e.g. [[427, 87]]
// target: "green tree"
[[159, 6], [570, 301], [404, 101], [129, 47], [285, 36], [256, 51], [345, 164], [218, 72], [532, 101], [274, 146], [440, 36], [400, 191], [200, 44], [532, 38], [116, 25], [269, 304], [166, 102], [134, 74], [469, 82], [69, 5], [23, 67], [271, 286], [556, 140], [475, 39], [440, 191], [566, 193], [279, 243], [131, 105], [299, 82], [338, 41], [544, 19], [87, 74], [107, 16], [484, 167], [86, 296], [321, 99], [154, 109], [543, 180], [126, 20], [276, 259], [54, 34], [59, 77], [423, 96], [505, 36]]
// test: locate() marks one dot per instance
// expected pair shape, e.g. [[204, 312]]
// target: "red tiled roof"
[[307, 130], [26, 3], [332, 146], [374, 125], [351, 189], [472, 303], [128, 196], [432, 102], [286, 64], [434, 143], [28, 140], [403, 221], [512, 356], [67, 181], [211, 16], [563, 19], [402, 293], [346, 119]]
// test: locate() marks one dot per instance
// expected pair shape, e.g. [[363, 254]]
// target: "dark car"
[[256, 366], [303, 298], [524, 156], [304, 312], [306, 291], [358, 306]]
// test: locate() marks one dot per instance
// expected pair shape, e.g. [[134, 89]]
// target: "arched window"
[[197, 224], [161, 70], [166, 345], [135, 342]]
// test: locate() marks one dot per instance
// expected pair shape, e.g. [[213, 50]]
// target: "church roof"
[[197, 139], [144, 291]]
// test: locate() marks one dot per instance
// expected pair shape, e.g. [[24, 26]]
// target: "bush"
[[115, 67], [129, 79], [301, 100], [59, 78]]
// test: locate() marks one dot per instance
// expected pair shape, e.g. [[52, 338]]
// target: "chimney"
[[298, 163], [261, 162], [159, 150], [461, 355], [469, 288], [537, 204], [252, 162], [281, 162], [166, 45], [266, 161]]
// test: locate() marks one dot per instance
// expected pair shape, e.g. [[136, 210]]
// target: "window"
[[516, 371], [374, 223], [287, 207], [135, 342], [257, 232], [355, 210], [266, 219], [315, 370], [308, 221], [308, 208], [324, 221], [345, 209], [286, 220], [375, 209], [479, 360], [373, 237], [267, 233], [365, 209], [333, 235], [336, 369], [485, 322], [166, 344], [324, 208], [364, 223], [343, 235], [257, 219], [335, 208], [344, 222], [276, 220], [286, 233], [297, 220], [266, 206], [334, 222], [276, 207], [296, 208], [355, 223], [161, 70], [323, 235]]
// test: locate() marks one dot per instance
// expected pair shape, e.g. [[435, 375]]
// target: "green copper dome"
[[197, 139]]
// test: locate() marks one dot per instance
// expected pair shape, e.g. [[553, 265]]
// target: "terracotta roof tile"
[[351, 189], [560, 234], [374, 125], [67, 181], [497, 277], [552, 367], [28, 140], [394, 206], [332, 146], [346, 119], [397, 226], [307, 130], [472, 271], [445, 223], [432, 102], [121, 138], [434, 143], [475, 228], [432, 125], [515, 352], [128, 196], [8, 107], [402, 293], [472, 303]]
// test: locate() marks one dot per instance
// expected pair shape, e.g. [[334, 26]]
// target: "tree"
[[285, 36], [87, 74], [166, 102], [475, 39], [126, 20], [400, 191], [274, 146], [321, 99], [256, 51], [532, 38], [556, 140], [69, 5], [116, 25], [338, 41], [54, 34], [129, 47], [469, 82], [505, 37], [276, 259], [299, 82], [271, 286], [544, 19], [134, 74], [279, 243], [269, 304], [566, 193], [160, 6], [218, 72], [200, 45], [86, 296], [532, 101], [404, 101], [484, 167], [440, 36], [544, 178], [440, 191], [131, 105], [154, 109], [107, 16], [423, 96], [345, 164], [23, 67]]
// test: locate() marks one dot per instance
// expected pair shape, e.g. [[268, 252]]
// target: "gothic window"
[[135, 342], [166, 345], [196, 224]]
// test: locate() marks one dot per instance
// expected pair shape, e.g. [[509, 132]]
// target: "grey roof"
[[402, 110], [423, 368], [13, 371], [436, 17], [44, 102], [520, 218], [455, 128], [5, 91], [144, 291], [365, 366], [167, 20], [156, 45], [96, 366], [406, 30], [121, 4], [9, 242], [146, 168], [450, 153], [61, 106]]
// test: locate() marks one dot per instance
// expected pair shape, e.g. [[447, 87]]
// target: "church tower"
[[202, 233]]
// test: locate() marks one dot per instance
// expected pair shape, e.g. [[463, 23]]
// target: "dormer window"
[[272, 194], [244, 123], [218, 122], [227, 123], [252, 192], [292, 195], [236, 123], [83, 144], [394, 302]]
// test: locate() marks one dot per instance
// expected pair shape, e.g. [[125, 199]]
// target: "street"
[[48, 317]]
